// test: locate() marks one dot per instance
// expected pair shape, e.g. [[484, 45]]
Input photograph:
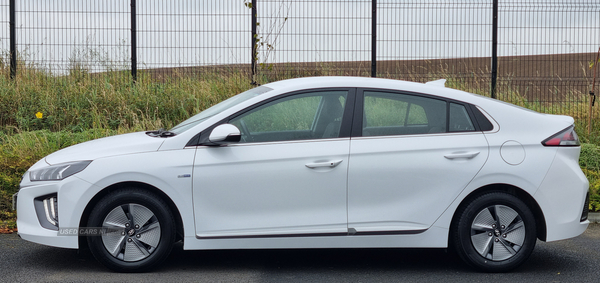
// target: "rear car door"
[[411, 155]]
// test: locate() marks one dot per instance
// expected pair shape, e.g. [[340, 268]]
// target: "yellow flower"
[[39, 115]]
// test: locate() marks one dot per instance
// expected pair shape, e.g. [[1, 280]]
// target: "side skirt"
[[434, 237]]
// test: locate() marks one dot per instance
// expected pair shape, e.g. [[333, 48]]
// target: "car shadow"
[[316, 259], [292, 262]]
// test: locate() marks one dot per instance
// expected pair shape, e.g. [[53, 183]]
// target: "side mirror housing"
[[225, 134]]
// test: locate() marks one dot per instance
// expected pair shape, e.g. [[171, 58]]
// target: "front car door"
[[410, 157], [287, 176]]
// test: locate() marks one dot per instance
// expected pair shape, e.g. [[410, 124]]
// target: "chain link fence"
[[533, 53], [72, 36], [4, 34], [427, 40], [305, 38], [192, 37], [545, 50]]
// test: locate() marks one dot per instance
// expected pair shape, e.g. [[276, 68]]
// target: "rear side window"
[[459, 120], [402, 114], [390, 113]]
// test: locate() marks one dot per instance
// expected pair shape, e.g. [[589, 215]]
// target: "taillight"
[[566, 137]]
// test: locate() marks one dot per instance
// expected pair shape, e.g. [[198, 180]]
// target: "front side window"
[[402, 114], [314, 115]]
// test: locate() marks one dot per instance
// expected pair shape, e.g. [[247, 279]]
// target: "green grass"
[[19, 151], [108, 101], [81, 106], [40, 113]]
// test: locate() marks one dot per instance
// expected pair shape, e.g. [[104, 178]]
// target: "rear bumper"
[[586, 208], [562, 196]]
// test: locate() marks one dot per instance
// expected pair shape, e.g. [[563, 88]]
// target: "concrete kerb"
[[594, 217]]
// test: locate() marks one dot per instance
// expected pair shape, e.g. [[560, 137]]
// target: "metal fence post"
[[373, 38], [13, 39], [254, 56], [494, 47], [133, 42]]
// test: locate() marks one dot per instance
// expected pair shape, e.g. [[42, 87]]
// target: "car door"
[[410, 157], [288, 174]]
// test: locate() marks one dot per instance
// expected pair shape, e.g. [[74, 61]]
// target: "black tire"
[[143, 230], [495, 232]]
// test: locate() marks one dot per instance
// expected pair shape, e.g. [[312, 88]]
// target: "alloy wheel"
[[498, 232], [139, 232]]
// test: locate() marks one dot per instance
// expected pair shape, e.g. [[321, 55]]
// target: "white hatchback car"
[[325, 162]]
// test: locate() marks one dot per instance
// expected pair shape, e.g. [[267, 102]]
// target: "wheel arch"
[[540, 220], [94, 201]]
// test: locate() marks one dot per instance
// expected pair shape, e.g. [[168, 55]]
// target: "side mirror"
[[225, 134]]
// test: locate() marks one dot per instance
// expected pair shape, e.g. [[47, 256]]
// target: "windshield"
[[218, 108]]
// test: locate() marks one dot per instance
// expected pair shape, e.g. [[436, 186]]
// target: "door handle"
[[467, 155], [324, 164]]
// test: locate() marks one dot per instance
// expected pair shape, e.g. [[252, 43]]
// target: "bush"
[[590, 157], [589, 160]]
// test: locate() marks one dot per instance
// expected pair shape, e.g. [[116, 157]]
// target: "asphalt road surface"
[[574, 260]]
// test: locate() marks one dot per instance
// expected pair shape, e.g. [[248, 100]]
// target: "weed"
[[41, 113]]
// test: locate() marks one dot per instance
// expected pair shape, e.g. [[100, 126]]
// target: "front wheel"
[[138, 230], [496, 232]]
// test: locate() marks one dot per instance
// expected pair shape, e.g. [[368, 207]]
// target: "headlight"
[[58, 171]]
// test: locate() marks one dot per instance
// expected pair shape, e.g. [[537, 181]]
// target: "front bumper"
[[31, 219]]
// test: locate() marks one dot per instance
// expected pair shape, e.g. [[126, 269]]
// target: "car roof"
[[337, 81], [436, 89]]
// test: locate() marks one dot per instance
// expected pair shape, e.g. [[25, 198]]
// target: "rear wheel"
[[496, 232], [140, 230]]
